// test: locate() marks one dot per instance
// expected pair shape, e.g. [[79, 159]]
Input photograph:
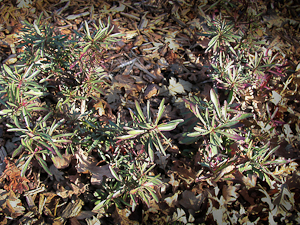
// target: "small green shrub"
[[131, 179], [215, 123], [148, 131], [44, 46]]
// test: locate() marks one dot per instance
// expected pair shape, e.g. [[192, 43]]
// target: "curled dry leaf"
[[230, 193], [92, 221], [150, 91], [184, 172], [175, 88], [13, 179], [173, 182], [62, 163]]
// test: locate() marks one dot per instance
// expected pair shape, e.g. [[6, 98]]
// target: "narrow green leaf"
[[235, 137], [150, 150], [86, 48], [26, 117], [113, 172], [201, 131], [136, 132], [242, 116], [100, 205], [124, 137], [140, 113], [194, 134], [62, 135], [88, 30], [169, 125], [215, 100], [25, 167], [43, 164], [228, 124], [161, 109], [17, 151], [17, 130]]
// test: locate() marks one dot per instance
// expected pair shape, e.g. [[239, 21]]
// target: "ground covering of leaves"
[[163, 55]]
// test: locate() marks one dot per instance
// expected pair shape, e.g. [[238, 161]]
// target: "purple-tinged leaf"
[[235, 137]]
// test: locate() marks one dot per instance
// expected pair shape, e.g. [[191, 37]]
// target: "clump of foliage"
[[136, 151], [131, 180], [216, 123], [148, 131], [44, 46]]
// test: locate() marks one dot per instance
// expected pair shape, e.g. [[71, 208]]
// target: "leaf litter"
[[166, 35]]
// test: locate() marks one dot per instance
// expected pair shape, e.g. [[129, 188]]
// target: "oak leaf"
[[86, 165], [191, 201], [175, 87]]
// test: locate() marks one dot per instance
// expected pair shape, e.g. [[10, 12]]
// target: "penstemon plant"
[[20, 92], [231, 76], [222, 35], [258, 161], [148, 131], [44, 46], [40, 140], [131, 180], [215, 123], [93, 44]]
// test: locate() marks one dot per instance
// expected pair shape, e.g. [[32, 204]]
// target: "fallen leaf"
[[276, 98], [186, 85], [190, 201], [57, 174], [97, 172], [172, 201], [172, 43], [13, 179], [99, 106], [179, 216], [126, 82], [151, 91], [62, 163], [284, 201], [229, 192], [92, 221], [183, 171], [175, 87], [162, 160], [23, 3], [113, 95]]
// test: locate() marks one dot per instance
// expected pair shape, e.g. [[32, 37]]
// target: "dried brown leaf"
[[62, 163], [57, 174], [230, 193], [13, 179], [84, 165], [172, 201], [190, 201]]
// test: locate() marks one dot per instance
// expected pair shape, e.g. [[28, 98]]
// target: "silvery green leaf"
[[161, 109], [215, 101], [169, 125], [136, 132], [25, 167]]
